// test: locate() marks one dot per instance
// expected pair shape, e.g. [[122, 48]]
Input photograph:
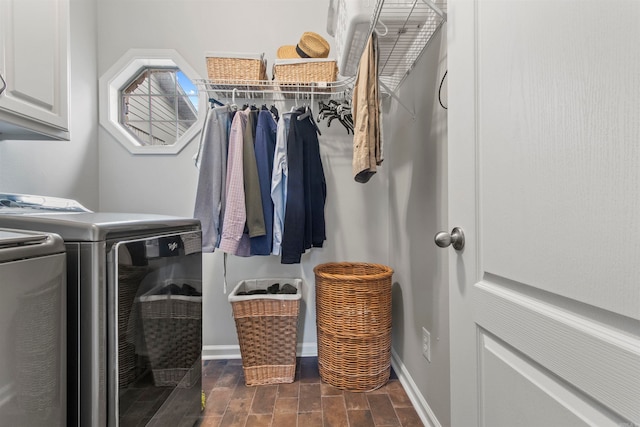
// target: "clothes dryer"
[[134, 311]]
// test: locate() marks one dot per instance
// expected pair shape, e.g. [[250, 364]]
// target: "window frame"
[[119, 76]]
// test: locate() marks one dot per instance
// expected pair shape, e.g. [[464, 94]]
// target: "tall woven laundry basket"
[[353, 320], [267, 327]]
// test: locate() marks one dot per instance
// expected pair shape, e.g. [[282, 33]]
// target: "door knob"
[[455, 239]]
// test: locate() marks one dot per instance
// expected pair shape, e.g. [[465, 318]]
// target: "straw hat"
[[311, 45]]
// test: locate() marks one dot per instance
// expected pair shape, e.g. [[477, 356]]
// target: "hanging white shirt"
[[279, 181]]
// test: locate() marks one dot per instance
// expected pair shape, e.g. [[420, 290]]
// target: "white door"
[[544, 179]]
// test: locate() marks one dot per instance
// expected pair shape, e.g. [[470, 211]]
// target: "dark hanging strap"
[[275, 112], [224, 272]]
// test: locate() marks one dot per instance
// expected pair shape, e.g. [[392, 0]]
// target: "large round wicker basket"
[[353, 319]]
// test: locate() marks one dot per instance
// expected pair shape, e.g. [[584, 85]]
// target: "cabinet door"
[[34, 49]]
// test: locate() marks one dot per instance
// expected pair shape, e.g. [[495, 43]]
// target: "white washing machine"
[[134, 284], [32, 329]]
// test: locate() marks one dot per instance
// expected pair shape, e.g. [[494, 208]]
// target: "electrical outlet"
[[426, 344]]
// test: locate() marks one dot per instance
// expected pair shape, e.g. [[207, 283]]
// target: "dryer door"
[[155, 330]]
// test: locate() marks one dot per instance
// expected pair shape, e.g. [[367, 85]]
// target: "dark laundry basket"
[[172, 326], [353, 319]]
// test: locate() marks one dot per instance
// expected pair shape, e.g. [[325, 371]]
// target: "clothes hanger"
[[215, 102], [335, 110], [274, 111], [308, 114], [386, 29], [233, 105]]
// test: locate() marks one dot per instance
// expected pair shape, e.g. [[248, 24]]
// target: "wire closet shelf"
[[274, 90], [404, 27]]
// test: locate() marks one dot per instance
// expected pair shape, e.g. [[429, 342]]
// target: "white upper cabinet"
[[34, 62]]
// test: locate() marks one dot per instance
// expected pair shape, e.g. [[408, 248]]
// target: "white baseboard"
[[213, 352], [308, 349], [419, 403]]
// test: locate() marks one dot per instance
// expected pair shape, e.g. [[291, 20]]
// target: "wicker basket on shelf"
[[229, 68], [353, 319], [267, 327], [305, 70]]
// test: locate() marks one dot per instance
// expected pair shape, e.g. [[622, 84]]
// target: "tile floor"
[[307, 402]]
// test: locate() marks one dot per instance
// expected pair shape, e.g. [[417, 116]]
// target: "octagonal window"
[[149, 103], [158, 106]]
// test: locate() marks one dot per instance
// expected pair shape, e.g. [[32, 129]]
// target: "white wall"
[[416, 153], [356, 214], [64, 168], [390, 220]]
